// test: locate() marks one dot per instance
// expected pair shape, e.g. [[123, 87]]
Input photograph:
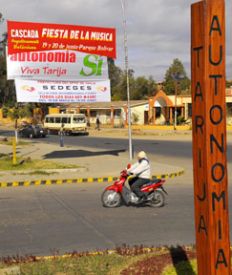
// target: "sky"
[[158, 30]]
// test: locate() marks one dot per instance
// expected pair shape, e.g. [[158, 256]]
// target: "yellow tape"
[[26, 183], [81, 180], [15, 184], [3, 184]]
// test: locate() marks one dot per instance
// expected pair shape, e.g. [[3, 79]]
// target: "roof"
[[105, 105]]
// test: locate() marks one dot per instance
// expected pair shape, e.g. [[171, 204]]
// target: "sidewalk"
[[93, 163]]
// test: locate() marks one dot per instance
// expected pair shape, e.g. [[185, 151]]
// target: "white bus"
[[70, 123]]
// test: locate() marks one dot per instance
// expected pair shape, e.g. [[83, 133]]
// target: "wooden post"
[[88, 112], [150, 111], [170, 115], [209, 137]]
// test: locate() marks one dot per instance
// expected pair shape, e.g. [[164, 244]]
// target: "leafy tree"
[[7, 88], [176, 68], [18, 112], [143, 88], [228, 83], [116, 76], [140, 87]]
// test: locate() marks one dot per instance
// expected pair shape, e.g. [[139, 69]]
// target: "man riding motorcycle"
[[142, 171]]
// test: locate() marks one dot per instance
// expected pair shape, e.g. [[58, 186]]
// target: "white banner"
[[57, 65], [62, 91]]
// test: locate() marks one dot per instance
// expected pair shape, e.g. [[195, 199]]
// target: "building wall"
[[53, 110], [137, 112]]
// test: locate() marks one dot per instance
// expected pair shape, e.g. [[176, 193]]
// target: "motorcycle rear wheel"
[[158, 199], [111, 199]]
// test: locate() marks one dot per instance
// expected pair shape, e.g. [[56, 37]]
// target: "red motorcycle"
[[117, 193]]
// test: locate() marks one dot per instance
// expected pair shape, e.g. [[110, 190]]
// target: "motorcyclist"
[[142, 171]]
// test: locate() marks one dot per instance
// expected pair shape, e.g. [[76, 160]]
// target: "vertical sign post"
[[14, 157], [209, 137]]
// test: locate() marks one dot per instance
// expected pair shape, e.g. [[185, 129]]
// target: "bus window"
[[49, 119], [57, 120], [66, 119], [77, 119]]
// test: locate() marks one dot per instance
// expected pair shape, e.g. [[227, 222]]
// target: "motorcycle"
[[117, 193]]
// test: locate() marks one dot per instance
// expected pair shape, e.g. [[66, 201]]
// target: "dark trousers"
[[135, 185]]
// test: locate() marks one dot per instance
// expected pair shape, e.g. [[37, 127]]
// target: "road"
[[41, 220]]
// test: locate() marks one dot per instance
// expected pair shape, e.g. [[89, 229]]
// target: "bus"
[[70, 123]]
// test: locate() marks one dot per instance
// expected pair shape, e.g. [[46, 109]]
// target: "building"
[[156, 110]]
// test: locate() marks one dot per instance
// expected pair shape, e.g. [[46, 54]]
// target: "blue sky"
[[158, 30]]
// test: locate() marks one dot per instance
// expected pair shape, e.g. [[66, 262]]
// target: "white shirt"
[[141, 169]]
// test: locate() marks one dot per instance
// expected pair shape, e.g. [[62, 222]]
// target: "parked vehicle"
[[32, 131], [117, 194], [71, 123]]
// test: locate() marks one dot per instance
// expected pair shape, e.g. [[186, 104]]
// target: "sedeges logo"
[[27, 88], [101, 89]]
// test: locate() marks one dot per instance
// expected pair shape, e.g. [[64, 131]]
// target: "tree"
[[116, 76], [143, 88], [7, 88], [24, 111], [169, 83], [18, 112], [140, 87], [228, 83]]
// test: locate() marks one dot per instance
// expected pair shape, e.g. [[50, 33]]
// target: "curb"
[[78, 180]]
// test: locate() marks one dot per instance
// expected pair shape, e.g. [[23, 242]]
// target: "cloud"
[[158, 30]]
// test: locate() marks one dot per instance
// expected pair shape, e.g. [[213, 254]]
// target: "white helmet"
[[141, 155]]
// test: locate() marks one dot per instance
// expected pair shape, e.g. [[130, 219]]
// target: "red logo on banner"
[[29, 37]]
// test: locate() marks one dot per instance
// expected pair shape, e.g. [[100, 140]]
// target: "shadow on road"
[[81, 153], [179, 255]]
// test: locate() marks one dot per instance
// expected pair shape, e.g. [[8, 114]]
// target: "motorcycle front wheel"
[[111, 199], [157, 199]]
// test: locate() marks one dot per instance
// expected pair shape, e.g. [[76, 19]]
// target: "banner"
[[30, 37], [62, 91], [56, 65]]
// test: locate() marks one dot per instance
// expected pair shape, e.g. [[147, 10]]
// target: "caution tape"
[[28, 183]]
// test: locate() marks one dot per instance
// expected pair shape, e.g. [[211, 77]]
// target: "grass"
[[123, 261], [91, 265], [182, 268], [107, 264], [9, 141], [29, 164]]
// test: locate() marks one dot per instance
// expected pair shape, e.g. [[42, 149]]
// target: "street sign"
[[209, 137]]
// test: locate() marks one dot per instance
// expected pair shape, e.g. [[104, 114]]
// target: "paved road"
[[174, 151], [39, 220]]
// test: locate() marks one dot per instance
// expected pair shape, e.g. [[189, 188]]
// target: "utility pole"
[[128, 82]]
